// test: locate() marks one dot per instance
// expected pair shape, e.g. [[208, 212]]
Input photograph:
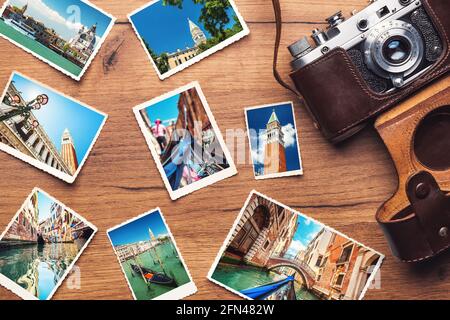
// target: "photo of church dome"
[[64, 33], [176, 34]]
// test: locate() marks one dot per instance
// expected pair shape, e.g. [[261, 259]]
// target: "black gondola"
[[154, 277]]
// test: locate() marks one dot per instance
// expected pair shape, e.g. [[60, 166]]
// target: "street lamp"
[[23, 109]]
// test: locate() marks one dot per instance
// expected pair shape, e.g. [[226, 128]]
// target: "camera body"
[[366, 64]]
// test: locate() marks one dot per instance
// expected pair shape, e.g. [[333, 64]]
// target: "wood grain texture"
[[341, 187]]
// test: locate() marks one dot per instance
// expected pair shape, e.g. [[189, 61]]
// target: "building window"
[[266, 244], [319, 261], [345, 255], [36, 142], [339, 280], [324, 262]]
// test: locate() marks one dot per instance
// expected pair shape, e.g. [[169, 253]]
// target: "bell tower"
[[274, 153], [197, 34], [68, 152]]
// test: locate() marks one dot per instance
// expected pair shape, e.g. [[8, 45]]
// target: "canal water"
[[39, 49], [244, 277], [172, 266], [38, 268]]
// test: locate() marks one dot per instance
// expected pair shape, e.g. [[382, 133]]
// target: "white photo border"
[[238, 36], [16, 288], [178, 293], [226, 173], [39, 164], [238, 219], [290, 173], [53, 65]]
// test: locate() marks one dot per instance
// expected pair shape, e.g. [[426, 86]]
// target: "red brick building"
[[25, 227]]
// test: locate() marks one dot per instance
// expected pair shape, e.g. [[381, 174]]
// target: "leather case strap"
[[278, 31], [424, 232]]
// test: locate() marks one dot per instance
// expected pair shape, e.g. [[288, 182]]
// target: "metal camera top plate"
[[349, 33]]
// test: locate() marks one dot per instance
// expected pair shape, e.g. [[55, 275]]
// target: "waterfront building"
[[181, 56], [25, 226], [346, 270], [274, 150], [130, 250], [26, 136], [315, 255], [262, 231], [84, 43], [68, 152], [62, 227]]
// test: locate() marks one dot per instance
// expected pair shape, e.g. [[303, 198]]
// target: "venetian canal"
[[39, 49], [245, 277], [172, 266], [38, 267]]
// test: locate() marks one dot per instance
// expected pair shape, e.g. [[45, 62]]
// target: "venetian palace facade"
[[264, 231], [274, 150], [19, 133]]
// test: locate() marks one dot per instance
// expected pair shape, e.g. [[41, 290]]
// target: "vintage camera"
[[364, 65]]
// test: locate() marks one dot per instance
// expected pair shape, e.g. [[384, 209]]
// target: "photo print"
[[273, 141], [42, 127], [276, 253], [67, 34], [178, 33], [150, 259], [40, 246], [185, 140]]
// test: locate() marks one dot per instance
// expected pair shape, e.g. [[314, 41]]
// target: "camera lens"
[[397, 50]]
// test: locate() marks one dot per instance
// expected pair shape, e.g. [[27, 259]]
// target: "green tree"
[[161, 61], [211, 42]]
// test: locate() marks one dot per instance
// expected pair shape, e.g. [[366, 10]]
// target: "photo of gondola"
[[184, 140], [149, 258]]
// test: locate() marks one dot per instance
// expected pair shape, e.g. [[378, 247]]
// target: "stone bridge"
[[307, 274]]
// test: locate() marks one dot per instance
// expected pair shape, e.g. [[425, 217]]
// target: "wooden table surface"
[[341, 187]]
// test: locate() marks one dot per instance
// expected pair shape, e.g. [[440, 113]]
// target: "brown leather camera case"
[[416, 220], [341, 101]]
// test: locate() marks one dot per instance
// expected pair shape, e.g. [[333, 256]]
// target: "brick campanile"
[[275, 153]]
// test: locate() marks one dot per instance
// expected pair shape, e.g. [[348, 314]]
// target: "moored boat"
[[275, 290], [21, 27], [153, 276]]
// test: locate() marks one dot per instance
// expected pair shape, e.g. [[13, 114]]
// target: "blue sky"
[[65, 16], [165, 110], [166, 28], [61, 113], [306, 231], [257, 120], [138, 229], [44, 205]]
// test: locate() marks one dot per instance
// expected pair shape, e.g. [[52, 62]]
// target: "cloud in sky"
[[66, 28], [289, 135], [295, 247], [259, 139]]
